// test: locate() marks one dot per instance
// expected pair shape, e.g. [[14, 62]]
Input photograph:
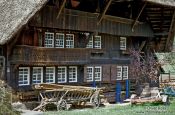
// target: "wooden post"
[[170, 31], [138, 16], [61, 8], [118, 92], [104, 12], [127, 89], [93, 83]]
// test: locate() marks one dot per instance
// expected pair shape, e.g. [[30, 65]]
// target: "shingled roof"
[[163, 2], [14, 14]]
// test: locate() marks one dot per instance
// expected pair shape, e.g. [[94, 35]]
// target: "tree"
[[143, 66]]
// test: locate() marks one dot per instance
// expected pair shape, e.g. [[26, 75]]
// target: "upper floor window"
[[37, 75], [24, 76], [122, 43], [49, 39], [72, 74], [97, 42], [59, 40], [94, 42], [94, 73], [69, 41], [122, 72], [50, 74], [90, 43], [62, 74]]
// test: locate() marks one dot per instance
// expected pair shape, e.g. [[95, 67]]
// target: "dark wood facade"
[[27, 49]]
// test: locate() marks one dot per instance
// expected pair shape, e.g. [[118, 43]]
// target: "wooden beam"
[[170, 31], [12, 43], [120, 19], [142, 45], [138, 16], [61, 8], [104, 12]]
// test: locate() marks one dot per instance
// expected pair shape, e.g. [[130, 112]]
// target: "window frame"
[[90, 43], [97, 73], [75, 74], [37, 74], [123, 43], [66, 40], [119, 73], [28, 76], [94, 73], [49, 76], [53, 39], [57, 34], [89, 80], [125, 77], [62, 74], [98, 42]]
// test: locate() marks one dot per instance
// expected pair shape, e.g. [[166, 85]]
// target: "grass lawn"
[[116, 109]]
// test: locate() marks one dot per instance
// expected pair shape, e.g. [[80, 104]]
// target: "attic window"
[[122, 43]]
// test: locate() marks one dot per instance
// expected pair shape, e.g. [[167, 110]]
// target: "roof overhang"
[[170, 3], [15, 14]]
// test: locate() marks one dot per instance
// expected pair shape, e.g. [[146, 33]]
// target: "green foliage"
[[5, 103]]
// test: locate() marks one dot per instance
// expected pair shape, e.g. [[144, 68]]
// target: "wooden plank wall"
[[108, 54], [83, 21]]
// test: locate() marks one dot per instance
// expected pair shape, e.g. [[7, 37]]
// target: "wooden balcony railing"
[[32, 54]]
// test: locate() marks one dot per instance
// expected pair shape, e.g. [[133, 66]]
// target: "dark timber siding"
[[110, 53], [83, 21]]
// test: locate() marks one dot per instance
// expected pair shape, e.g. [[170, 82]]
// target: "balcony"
[[23, 54]]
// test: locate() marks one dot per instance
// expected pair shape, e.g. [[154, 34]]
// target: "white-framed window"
[[72, 74], [59, 40], [122, 43], [97, 42], [98, 72], [69, 41], [49, 40], [90, 43], [125, 72], [50, 74], [24, 76], [122, 72], [94, 73], [62, 74], [37, 75], [89, 72], [119, 72]]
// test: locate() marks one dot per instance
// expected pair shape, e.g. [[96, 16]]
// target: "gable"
[[14, 14]]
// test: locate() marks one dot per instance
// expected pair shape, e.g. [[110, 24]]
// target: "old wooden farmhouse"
[[79, 42]]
